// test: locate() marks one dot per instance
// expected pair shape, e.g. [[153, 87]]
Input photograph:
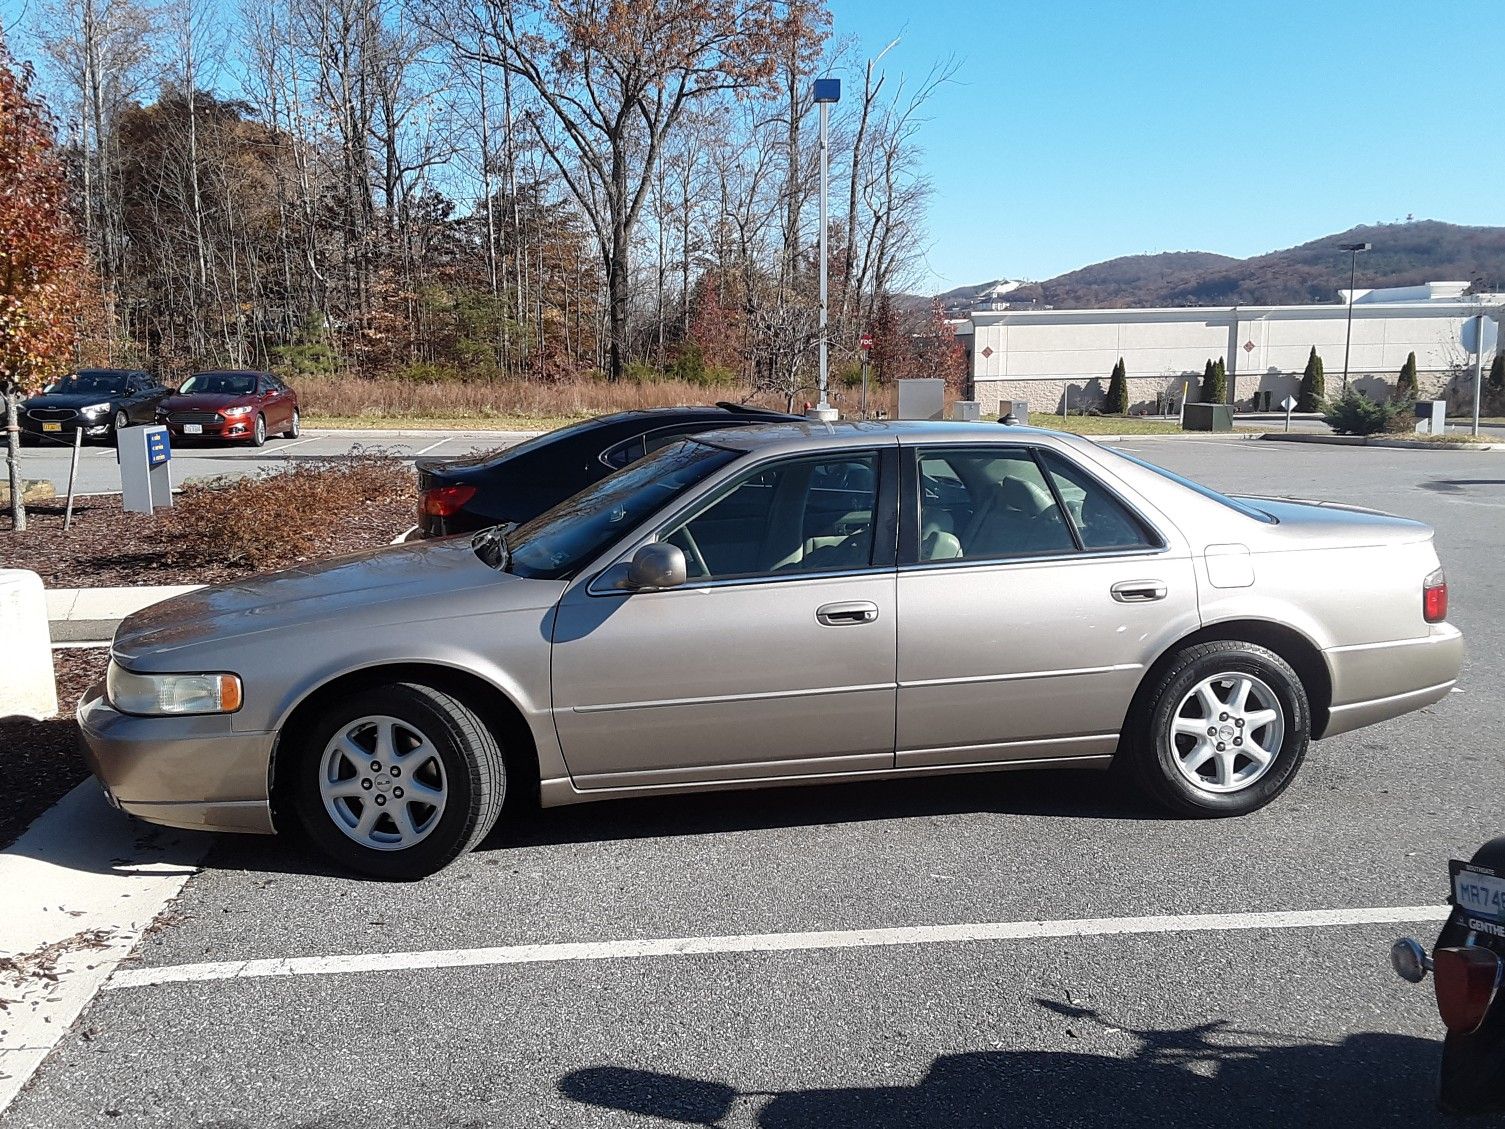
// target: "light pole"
[[826, 92], [1353, 250]]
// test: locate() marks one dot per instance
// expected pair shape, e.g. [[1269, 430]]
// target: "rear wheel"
[[259, 431], [1222, 731], [398, 781]]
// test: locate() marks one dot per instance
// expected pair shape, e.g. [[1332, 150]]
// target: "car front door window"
[[797, 516]]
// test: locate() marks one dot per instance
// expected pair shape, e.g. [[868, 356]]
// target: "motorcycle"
[[1467, 965]]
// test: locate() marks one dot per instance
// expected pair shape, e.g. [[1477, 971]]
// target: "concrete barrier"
[[28, 687]]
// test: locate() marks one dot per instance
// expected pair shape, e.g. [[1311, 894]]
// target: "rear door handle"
[[1138, 591], [841, 615]]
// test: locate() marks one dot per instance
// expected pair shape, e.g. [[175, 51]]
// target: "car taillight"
[[446, 501], [1434, 597], [1466, 979]]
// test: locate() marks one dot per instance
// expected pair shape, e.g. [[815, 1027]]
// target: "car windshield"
[[1206, 491], [565, 538], [220, 384], [105, 383]]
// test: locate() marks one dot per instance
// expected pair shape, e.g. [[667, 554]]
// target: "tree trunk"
[[13, 459], [616, 299]]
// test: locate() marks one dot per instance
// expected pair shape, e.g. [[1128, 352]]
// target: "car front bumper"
[[94, 429], [194, 772], [225, 429]]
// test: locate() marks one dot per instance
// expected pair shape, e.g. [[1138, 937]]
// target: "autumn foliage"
[[42, 262]]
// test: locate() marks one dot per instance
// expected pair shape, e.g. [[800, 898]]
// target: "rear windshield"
[[220, 383], [1235, 504], [570, 535]]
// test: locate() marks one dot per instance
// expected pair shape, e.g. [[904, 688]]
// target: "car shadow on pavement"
[[1204, 1076], [1060, 793]]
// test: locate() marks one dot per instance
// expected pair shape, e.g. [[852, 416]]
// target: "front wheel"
[[259, 432], [398, 781], [119, 424], [1221, 732], [294, 426]]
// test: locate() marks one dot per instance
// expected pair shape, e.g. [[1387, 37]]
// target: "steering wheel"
[[684, 540]]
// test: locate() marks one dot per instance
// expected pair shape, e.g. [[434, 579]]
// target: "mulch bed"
[[108, 547], [39, 760]]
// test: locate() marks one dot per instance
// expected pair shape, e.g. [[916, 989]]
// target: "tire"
[[294, 426], [119, 424], [1192, 772], [461, 766], [259, 431]]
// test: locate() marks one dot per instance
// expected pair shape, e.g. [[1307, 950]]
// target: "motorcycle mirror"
[[1410, 961]]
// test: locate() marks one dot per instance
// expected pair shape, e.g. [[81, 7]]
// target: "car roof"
[[815, 435]]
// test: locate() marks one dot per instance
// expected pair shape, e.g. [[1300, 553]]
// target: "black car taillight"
[[1466, 979], [446, 501], [1434, 597]]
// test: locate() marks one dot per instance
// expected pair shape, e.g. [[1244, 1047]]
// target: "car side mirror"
[[657, 565]]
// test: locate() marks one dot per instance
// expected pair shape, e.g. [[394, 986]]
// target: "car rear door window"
[[796, 516], [1101, 520], [984, 504]]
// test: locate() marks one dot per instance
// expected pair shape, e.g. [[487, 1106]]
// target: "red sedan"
[[236, 405]]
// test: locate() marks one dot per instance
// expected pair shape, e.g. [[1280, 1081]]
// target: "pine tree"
[[1117, 402], [1313, 385], [1405, 384], [1215, 383], [1206, 383], [1497, 373]]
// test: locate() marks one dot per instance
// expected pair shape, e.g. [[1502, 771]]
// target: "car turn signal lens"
[[1466, 979], [1434, 597], [446, 501]]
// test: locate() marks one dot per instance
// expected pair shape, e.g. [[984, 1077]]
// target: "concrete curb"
[[1372, 441], [82, 615]]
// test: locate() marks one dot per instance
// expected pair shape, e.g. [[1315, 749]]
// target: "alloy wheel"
[[1227, 732], [383, 783]]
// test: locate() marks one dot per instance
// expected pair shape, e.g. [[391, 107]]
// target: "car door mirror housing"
[[657, 565]]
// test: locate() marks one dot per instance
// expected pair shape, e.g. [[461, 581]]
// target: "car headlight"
[[243, 410], [162, 695], [94, 409]]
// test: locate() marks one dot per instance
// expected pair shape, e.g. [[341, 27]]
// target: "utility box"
[[1207, 417], [1019, 409], [1431, 417], [145, 455], [27, 685], [922, 399], [969, 411]]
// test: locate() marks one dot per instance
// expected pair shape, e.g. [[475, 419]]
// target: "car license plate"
[[1478, 890], [193, 429], [52, 427]]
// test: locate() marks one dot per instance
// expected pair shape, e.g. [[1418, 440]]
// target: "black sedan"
[[518, 484], [96, 401]]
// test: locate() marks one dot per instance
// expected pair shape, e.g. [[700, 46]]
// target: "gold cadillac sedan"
[[771, 605]]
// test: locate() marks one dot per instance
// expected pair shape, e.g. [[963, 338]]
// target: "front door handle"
[[841, 615], [1138, 591]]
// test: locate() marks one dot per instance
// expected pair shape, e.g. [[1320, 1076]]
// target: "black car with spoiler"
[[519, 483]]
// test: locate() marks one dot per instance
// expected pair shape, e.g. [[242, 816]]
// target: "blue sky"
[[1077, 130]]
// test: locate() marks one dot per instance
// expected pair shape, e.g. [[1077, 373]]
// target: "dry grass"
[[278, 518], [357, 402]]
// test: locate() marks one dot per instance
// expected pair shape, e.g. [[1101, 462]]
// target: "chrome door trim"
[[718, 699], [1066, 558], [1022, 676]]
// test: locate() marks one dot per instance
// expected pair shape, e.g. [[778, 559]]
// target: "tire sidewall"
[[1204, 662], [463, 808], [295, 425], [259, 431]]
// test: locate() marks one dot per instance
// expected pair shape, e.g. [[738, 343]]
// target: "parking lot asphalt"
[[98, 471], [1291, 1024]]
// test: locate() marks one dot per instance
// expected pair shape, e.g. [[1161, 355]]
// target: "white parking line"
[[765, 942], [430, 447]]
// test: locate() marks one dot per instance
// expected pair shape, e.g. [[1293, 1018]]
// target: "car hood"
[[70, 399], [204, 401], [1335, 523], [417, 582]]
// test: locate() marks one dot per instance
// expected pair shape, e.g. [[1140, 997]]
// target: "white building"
[[1041, 355]]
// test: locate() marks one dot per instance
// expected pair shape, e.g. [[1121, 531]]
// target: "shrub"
[[1313, 388], [281, 517], [1117, 400], [1405, 384], [1355, 414], [1215, 383], [1497, 373]]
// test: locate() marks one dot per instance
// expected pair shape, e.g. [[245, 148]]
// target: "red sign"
[[865, 342]]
